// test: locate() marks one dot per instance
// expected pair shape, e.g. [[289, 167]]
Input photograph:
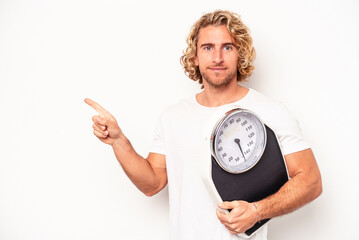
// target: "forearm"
[[147, 177], [297, 192], [136, 167]]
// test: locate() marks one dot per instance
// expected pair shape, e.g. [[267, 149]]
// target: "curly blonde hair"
[[242, 41]]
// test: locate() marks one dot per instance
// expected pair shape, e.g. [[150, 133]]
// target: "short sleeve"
[[288, 131], [158, 143]]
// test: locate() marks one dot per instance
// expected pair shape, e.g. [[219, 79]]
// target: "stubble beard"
[[217, 84]]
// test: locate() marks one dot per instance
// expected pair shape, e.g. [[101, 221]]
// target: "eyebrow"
[[212, 44]]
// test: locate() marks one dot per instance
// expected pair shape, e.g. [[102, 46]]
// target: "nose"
[[217, 56]]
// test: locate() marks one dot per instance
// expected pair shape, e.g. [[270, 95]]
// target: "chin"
[[218, 84], [219, 81]]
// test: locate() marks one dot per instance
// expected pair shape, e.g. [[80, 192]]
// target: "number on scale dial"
[[238, 141]]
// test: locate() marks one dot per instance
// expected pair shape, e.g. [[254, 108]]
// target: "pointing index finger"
[[96, 106]]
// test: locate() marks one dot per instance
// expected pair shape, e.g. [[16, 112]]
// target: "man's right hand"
[[149, 175], [105, 125]]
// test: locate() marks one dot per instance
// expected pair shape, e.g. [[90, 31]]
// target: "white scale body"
[[241, 159]]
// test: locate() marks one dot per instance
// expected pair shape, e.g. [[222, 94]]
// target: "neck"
[[214, 97]]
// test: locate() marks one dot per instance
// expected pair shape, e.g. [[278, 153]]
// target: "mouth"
[[217, 69]]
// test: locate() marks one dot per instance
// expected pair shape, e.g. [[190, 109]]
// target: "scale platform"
[[261, 181], [265, 178]]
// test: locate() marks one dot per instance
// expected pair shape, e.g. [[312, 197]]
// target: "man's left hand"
[[243, 215]]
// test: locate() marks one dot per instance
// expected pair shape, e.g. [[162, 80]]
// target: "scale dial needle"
[[236, 140]]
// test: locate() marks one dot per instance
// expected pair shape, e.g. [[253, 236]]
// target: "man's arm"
[[304, 186], [149, 175]]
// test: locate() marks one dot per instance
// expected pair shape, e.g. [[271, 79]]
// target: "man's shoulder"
[[181, 103], [258, 102], [178, 107], [260, 98], [268, 109]]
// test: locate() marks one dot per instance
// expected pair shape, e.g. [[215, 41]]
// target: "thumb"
[[109, 122], [227, 205]]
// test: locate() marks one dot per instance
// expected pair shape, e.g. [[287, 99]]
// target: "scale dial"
[[238, 141]]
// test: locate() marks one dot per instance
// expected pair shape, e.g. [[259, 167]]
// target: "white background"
[[57, 181]]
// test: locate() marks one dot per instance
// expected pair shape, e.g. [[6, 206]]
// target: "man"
[[219, 55]]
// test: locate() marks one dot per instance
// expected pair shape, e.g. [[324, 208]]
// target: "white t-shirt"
[[178, 135]]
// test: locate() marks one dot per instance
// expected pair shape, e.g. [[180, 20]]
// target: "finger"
[[222, 216], [226, 225], [96, 106], [234, 229], [99, 134], [230, 227], [227, 205], [100, 121], [98, 129]]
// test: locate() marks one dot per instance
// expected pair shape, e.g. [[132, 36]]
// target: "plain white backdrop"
[[57, 181]]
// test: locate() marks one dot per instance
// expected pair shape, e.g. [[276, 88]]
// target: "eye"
[[208, 48], [228, 48]]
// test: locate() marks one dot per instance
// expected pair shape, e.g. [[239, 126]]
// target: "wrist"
[[255, 205], [121, 143]]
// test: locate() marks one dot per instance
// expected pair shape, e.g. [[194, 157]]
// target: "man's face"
[[217, 56]]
